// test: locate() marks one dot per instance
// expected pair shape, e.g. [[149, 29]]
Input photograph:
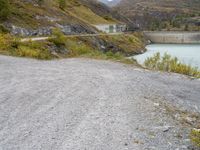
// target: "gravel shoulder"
[[85, 104]]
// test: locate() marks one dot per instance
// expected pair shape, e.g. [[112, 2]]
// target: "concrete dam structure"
[[167, 37]]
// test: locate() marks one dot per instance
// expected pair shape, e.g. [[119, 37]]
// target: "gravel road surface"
[[84, 104]]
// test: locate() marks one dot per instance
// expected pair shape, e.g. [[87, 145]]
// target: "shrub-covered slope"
[[158, 14], [32, 14], [40, 18]]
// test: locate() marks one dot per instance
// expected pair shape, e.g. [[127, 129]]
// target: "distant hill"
[[148, 13]]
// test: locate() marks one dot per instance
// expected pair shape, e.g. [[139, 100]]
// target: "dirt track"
[[83, 104]]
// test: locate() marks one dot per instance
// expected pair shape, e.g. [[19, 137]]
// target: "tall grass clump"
[[4, 9], [33, 50], [10, 45], [5, 40], [58, 38], [195, 137], [78, 48], [170, 64]]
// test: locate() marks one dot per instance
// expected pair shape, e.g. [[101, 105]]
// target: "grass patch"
[[119, 57], [129, 43], [58, 38], [12, 46], [88, 15], [32, 50], [170, 64], [20, 18], [5, 40], [195, 137], [74, 46], [79, 48]]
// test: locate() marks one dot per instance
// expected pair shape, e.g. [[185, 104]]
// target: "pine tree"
[[40, 2], [186, 27], [62, 4], [4, 9]]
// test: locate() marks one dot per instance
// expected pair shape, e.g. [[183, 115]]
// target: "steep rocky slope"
[[155, 14], [77, 15], [104, 11]]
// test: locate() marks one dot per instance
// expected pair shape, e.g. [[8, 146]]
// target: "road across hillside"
[[76, 35], [83, 104]]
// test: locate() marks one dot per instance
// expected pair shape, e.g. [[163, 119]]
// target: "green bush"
[[77, 48], [4, 9], [10, 45], [15, 42], [109, 18], [5, 41], [32, 52], [62, 4], [3, 29], [195, 137], [40, 2], [186, 28], [58, 38], [170, 64]]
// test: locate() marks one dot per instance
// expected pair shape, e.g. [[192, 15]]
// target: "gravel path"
[[83, 104], [76, 35]]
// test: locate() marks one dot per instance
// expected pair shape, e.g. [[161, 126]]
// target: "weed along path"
[[76, 104]]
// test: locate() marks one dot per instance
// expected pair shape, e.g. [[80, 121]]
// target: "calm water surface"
[[186, 53]]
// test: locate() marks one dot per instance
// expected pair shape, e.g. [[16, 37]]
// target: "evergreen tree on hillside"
[[62, 4], [4, 9], [40, 2]]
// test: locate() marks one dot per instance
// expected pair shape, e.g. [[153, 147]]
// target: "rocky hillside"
[[104, 11], [31, 17], [158, 14]]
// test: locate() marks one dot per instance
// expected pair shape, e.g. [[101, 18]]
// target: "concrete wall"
[[116, 28], [173, 37], [106, 28]]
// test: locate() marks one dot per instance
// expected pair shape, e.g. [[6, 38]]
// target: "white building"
[[111, 28]]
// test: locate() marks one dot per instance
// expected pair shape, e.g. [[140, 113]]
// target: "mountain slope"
[[147, 14], [76, 14], [104, 11], [189, 6]]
